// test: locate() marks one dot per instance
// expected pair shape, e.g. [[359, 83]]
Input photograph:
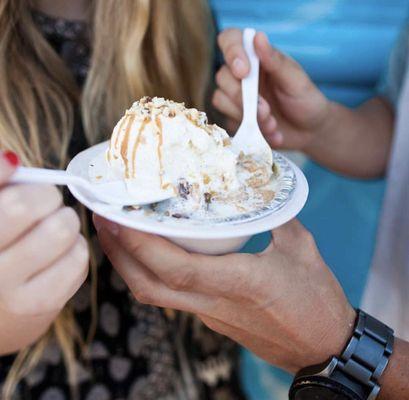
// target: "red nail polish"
[[12, 158]]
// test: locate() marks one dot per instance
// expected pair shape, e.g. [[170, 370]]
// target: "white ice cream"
[[160, 145]]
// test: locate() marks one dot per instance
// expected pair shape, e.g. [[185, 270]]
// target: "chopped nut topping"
[[208, 198], [185, 189], [275, 169]]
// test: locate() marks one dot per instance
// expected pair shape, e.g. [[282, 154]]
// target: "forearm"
[[17, 332], [355, 142], [395, 380]]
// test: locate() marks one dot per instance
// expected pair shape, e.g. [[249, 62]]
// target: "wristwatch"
[[355, 374]]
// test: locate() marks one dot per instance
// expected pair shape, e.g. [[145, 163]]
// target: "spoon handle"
[[42, 175], [249, 85]]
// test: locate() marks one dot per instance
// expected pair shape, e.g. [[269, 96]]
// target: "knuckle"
[[280, 57], [19, 304], [214, 101], [217, 98], [63, 225], [13, 203], [181, 280], [81, 251], [307, 238], [237, 95], [220, 39], [80, 257], [221, 75], [210, 323], [54, 196], [227, 36], [143, 295], [134, 247], [232, 52]]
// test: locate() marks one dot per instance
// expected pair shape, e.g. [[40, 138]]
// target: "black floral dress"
[[139, 352]]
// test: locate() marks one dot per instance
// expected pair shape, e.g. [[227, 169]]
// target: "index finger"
[[178, 269], [231, 44]]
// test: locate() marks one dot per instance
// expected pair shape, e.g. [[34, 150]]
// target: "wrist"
[[357, 373], [333, 336], [326, 127]]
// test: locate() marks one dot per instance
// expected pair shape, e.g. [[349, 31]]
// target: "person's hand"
[[292, 112], [43, 257], [283, 304]]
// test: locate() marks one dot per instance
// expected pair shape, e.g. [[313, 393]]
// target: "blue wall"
[[344, 46]]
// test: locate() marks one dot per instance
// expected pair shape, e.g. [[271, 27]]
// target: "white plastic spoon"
[[114, 193], [249, 138]]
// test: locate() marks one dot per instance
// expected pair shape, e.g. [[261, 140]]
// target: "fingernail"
[[239, 65], [11, 158]]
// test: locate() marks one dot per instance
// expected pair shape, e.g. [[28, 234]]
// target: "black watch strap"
[[367, 353], [361, 364]]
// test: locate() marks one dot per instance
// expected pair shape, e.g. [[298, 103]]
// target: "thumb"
[[8, 163], [285, 73]]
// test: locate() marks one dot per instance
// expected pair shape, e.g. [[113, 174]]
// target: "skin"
[[43, 259], [283, 304]]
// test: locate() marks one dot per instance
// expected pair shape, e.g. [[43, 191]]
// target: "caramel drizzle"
[[137, 143], [160, 143], [120, 131], [117, 133], [124, 146]]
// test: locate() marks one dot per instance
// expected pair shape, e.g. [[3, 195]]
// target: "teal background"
[[344, 46]]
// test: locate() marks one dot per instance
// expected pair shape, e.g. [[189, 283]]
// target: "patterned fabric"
[[70, 39], [139, 352]]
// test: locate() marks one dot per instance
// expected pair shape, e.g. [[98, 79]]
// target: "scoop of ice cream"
[[160, 145]]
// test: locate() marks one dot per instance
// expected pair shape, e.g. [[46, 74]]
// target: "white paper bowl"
[[201, 238]]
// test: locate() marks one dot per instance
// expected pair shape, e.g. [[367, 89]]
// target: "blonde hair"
[[139, 47]]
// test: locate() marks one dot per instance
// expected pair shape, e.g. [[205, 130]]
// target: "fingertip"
[[262, 46], [276, 139], [240, 68], [261, 39], [263, 109], [9, 161], [269, 125]]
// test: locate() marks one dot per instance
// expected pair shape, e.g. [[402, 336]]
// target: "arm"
[[355, 142], [294, 114], [43, 259], [395, 381]]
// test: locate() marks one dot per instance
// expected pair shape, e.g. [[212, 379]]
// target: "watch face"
[[318, 393]]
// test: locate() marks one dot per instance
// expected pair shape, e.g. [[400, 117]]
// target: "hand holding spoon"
[[114, 192], [249, 138]]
